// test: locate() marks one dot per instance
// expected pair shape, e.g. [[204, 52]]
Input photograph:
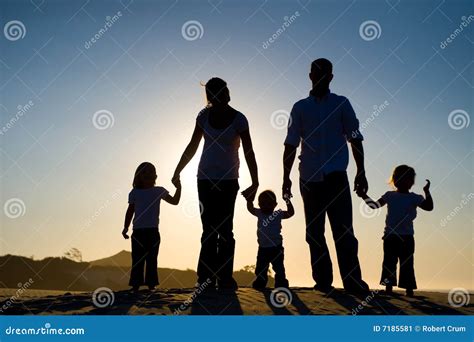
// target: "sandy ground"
[[246, 301]]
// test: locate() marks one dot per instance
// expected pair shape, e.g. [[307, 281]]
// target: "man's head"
[[321, 74]]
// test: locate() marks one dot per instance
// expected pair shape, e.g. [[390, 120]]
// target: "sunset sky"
[[69, 171]]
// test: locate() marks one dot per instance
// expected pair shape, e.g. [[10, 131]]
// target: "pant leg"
[[207, 265], [313, 194], [391, 246], [279, 266], [138, 258], [153, 245], [340, 216], [227, 194], [407, 271], [261, 268]]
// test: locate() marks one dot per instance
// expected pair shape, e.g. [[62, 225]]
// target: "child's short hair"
[[402, 172], [267, 194], [138, 182]]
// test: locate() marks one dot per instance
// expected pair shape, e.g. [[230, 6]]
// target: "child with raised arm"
[[398, 238], [144, 207], [270, 241]]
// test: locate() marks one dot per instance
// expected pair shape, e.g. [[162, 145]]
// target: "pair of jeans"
[[398, 248], [331, 196], [265, 257], [145, 245], [216, 260]]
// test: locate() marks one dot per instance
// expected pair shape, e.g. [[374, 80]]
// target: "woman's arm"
[[128, 220], [250, 192], [189, 152]]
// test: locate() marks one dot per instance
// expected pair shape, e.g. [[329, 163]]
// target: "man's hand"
[[360, 183], [124, 233], [250, 192], [176, 181], [286, 189]]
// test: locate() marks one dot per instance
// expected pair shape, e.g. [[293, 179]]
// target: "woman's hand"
[[250, 192], [124, 233]]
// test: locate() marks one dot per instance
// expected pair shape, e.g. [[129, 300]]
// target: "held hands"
[[176, 180], [426, 188], [124, 233], [286, 189], [361, 185], [250, 192]]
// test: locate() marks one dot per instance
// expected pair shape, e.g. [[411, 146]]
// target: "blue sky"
[[73, 179]]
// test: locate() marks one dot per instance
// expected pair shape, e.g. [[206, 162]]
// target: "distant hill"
[[55, 273], [121, 259]]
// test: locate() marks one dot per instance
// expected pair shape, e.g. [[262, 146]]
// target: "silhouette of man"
[[323, 123]]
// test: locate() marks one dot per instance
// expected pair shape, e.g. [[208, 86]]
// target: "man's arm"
[[288, 161], [360, 182]]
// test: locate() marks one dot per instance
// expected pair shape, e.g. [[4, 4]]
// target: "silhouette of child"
[[270, 241], [144, 207], [398, 239]]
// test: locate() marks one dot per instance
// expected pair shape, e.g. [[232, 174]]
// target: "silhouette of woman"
[[222, 128]]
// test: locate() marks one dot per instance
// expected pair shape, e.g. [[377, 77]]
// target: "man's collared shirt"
[[323, 127]]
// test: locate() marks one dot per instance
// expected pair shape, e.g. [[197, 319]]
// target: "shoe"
[[135, 289], [230, 285], [410, 293], [324, 288], [258, 287], [389, 289]]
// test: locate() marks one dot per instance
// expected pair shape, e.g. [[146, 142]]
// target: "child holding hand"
[[144, 207], [398, 238]]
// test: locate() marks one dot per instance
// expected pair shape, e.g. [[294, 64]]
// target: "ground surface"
[[245, 301]]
